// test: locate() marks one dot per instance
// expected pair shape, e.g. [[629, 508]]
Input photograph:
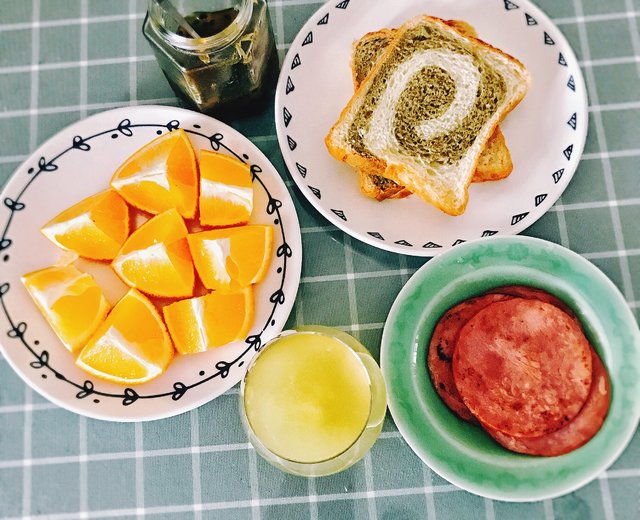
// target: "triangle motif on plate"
[[316, 192], [558, 175], [302, 170], [287, 117], [340, 213], [308, 39], [518, 218], [562, 61], [540, 199], [568, 151]]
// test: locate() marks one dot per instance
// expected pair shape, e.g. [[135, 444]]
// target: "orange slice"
[[226, 191], [232, 258], [131, 346], [210, 321], [156, 260], [95, 227], [70, 300], [161, 175]]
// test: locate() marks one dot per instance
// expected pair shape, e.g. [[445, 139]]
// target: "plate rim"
[[402, 422], [294, 240], [290, 162]]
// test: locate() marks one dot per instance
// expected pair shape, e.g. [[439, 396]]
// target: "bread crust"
[[372, 34], [370, 188], [447, 202]]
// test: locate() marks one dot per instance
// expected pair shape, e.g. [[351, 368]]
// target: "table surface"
[[56, 464]]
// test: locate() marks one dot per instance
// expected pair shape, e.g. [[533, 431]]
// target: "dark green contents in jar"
[[209, 24], [230, 69]]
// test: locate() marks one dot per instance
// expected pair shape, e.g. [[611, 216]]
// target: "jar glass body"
[[226, 70]]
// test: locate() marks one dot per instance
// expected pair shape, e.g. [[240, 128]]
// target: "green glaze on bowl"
[[463, 453]]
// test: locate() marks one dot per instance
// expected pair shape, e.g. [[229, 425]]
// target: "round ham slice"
[[441, 347], [523, 367], [577, 432], [532, 293]]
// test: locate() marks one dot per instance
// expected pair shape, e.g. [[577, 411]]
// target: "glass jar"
[[231, 63]]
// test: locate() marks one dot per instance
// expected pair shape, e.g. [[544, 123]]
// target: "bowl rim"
[[465, 265]]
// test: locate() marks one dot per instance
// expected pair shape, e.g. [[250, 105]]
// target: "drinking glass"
[[313, 401]]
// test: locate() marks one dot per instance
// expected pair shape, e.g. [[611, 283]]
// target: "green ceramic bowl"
[[463, 453]]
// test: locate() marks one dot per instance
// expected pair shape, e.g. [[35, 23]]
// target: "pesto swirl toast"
[[495, 159], [427, 109], [366, 52]]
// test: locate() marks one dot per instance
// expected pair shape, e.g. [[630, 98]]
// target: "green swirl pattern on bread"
[[495, 159], [424, 114]]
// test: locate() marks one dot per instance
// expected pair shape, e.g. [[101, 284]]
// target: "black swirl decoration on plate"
[[42, 359]]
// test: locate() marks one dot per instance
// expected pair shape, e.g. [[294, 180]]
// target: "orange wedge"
[[131, 346], [226, 191], [70, 300], [161, 175], [213, 320], [95, 227], [232, 258], [156, 260]]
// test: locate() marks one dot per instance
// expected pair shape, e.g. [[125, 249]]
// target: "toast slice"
[[366, 52], [425, 112], [495, 160]]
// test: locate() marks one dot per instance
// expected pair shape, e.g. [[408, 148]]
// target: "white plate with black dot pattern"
[[545, 134]]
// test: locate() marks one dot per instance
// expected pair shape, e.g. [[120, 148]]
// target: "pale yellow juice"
[[307, 397]]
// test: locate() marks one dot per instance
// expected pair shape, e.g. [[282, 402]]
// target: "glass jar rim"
[[253, 361], [205, 44]]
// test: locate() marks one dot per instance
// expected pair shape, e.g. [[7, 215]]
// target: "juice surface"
[[307, 397]]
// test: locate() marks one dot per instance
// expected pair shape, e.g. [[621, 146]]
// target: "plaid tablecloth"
[[62, 60]]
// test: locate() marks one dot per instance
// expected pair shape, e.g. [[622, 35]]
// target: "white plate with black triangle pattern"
[[545, 133]]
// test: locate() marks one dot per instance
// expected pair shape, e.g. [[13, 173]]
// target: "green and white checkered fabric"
[[62, 60]]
